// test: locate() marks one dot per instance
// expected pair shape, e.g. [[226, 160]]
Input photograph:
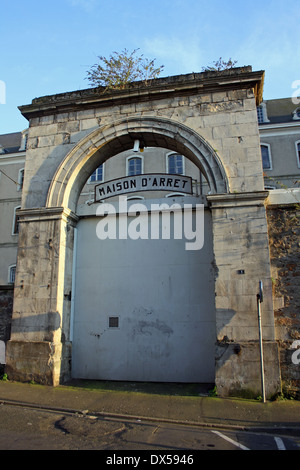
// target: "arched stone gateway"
[[211, 120], [111, 139], [167, 327]]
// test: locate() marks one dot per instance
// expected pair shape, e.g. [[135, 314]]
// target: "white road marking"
[[279, 443], [237, 444]]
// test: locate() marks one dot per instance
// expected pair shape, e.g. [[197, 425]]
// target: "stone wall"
[[284, 235], [6, 307]]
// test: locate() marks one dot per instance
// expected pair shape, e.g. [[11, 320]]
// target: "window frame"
[[175, 195], [264, 114], [11, 269], [263, 144], [137, 157], [21, 179], [97, 181], [15, 222], [133, 198], [297, 145], [168, 155], [260, 114], [24, 140]]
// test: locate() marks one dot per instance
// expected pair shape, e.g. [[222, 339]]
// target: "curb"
[[115, 416]]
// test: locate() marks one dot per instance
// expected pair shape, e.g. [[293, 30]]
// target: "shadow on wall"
[[223, 319], [47, 322]]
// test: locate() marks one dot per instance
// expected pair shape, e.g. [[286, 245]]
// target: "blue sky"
[[47, 46]]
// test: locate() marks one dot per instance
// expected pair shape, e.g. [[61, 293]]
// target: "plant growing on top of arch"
[[219, 65], [120, 69]]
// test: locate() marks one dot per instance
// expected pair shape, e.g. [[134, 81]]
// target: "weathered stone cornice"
[[161, 88], [53, 213], [222, 201]]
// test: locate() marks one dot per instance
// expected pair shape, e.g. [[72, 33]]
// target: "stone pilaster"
[[241, 250], [39, 344]]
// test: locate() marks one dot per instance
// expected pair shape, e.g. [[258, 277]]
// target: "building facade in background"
[[279, 127]]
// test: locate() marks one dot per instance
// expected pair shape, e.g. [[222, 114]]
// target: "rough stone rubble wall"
[[284, 236]]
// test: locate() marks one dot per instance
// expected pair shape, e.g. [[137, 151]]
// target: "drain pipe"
[[260, 299]]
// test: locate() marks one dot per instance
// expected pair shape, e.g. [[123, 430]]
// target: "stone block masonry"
[[242, 257]]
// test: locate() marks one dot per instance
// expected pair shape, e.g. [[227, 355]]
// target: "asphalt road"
[[24, 428]]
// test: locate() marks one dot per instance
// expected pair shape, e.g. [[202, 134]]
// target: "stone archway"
[[192, 115], [104, 143], [48, 234], [109, 140]]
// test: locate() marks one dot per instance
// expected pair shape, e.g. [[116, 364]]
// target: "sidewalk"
[[196, 410]]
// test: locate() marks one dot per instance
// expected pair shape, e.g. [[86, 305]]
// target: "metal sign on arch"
[[149, 182]]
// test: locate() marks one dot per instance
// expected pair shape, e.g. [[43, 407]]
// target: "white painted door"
[[144, 309]]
